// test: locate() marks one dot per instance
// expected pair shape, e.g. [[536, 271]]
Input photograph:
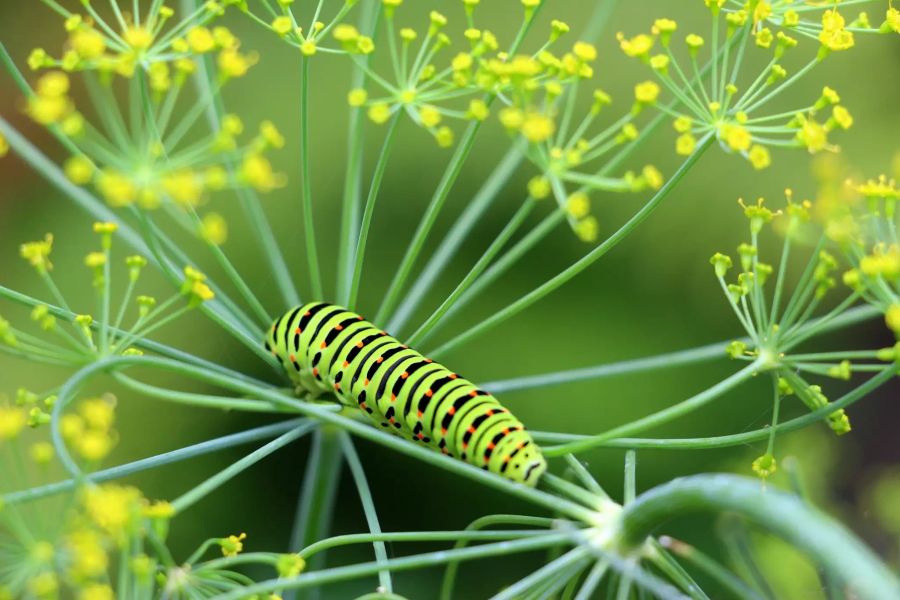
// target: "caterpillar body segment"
[[326, 348]]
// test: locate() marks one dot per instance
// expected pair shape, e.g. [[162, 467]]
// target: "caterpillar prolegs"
[[328, 348]]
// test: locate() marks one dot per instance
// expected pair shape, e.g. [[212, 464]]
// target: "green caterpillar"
[[326, 348]]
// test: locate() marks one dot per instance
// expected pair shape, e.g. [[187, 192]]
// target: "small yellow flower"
[[357, 97], [12, 421], [116, 188], [478, 110], [537, 127], [587, 229], [892, 318], [444, 137], [652, 177], [430, 116], [638, 46], [200, 40], [232, 545], [257, 171], [759, 157], [290, 565], [184, 187], [765, 466], [88, 43], [842, 117], [646, 92], [234, 64], [737, 138], [585, 51], [813, 135], [379, 113], [97, 591], [138, 38], [538, 187], [578, 205], [282, 25], [214, 229], [113, 508], [38, 253]]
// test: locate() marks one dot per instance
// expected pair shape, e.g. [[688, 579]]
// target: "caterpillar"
[[327, 348]]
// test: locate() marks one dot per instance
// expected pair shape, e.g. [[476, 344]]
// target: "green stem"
[[661, 417], [67, 392], [154, 462], [368, 213], [585, 261], [309, 230], [489, 191], [419, 561], [353, 175], [736, 439], [199, 491], [428, 219], [315, 507], [365, 497], [826, 542], [477, 269]]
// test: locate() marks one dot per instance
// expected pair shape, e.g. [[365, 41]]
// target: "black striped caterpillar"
[[326, 348]]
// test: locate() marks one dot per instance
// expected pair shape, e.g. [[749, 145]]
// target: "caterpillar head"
[[528, 466]]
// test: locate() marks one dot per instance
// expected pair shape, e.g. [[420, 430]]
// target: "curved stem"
[[820, 537], [658, 418], [319, 412]]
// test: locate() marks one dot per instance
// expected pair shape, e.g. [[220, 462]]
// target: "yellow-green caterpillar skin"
[[326, 348]]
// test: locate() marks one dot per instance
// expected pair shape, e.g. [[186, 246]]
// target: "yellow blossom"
[[214, 229], [892, 318], [430, 116], [232, 545], [537, 127], [538, 187], [113, 508], [737, 138], [257, 171], [138, 38], [12, 421], [685, 144], [578, 205], [200, 40], [646, 92], [38, 253], [813, 135], [88, 43], [234, 64], [759, 157], [116, 188], [379, 113], [637, 46], [587, 229], [842, 117]]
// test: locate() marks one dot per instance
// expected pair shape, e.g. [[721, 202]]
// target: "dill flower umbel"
[[77, 339], [150, 155], [777, 320], [719, 98]]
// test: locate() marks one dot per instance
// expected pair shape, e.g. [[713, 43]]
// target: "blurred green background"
[[654, 293]]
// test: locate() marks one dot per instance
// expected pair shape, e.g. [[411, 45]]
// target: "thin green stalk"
[[428, 219], [449, 579], [477, 269], [353, 175], [192, 399], [200, 491], [663, 416], [418, 537], [369, 212], [526, 583], [825, 541], [155, 347], [250, 204], [505, 262], [154, 462], [489, 191], [309, 229], [582, 264], [736, 439], [595, 576], [638, 365], [419, 561], [711, 568], [365, 497], [315, 506]]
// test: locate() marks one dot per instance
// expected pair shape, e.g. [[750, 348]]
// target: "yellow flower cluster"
[[155, 43], [89, 430]]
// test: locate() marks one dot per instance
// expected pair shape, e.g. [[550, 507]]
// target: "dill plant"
[[146, 172]]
